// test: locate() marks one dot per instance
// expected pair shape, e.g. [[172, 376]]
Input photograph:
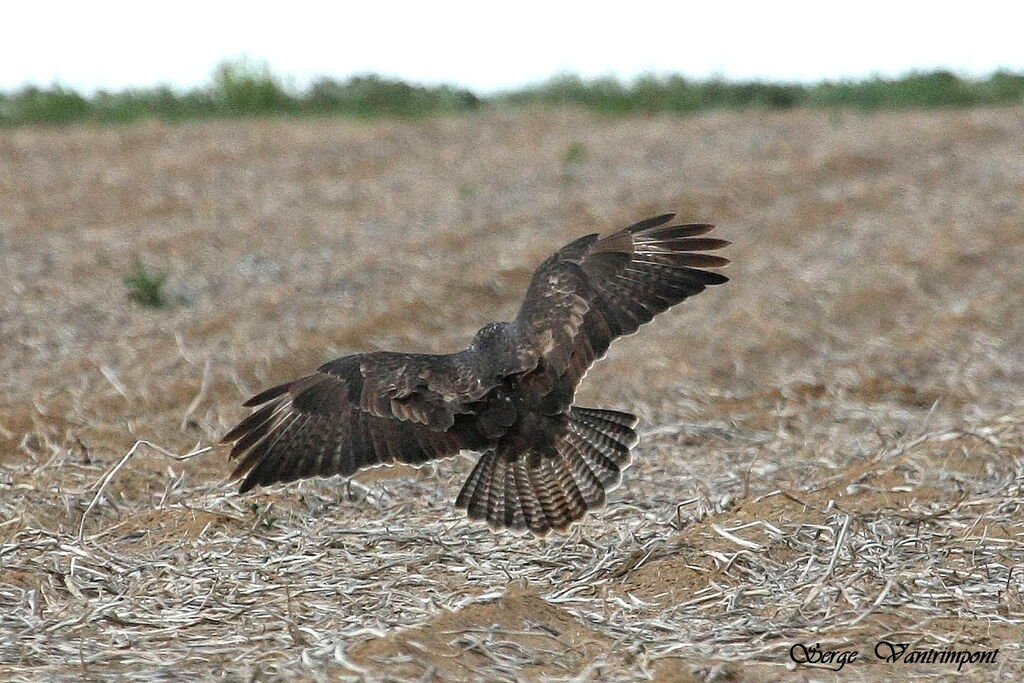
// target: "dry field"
[[833, 442]]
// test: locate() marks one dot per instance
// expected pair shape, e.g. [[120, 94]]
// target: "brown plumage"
[[509, 395]]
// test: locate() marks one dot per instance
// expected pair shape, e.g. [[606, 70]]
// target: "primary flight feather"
[[509, 396]]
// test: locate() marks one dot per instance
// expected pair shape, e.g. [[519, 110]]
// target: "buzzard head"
[[495, 350]]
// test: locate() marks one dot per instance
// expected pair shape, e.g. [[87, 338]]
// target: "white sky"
[[493, 45]]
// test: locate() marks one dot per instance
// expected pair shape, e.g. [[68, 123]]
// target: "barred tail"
[[540, 491]]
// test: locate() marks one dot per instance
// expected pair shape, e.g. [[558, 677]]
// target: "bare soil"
[[833, 442]]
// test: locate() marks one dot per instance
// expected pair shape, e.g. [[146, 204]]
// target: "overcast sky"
[[490, 46]]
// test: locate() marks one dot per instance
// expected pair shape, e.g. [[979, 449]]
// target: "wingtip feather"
[[653, 222], [267, 394]]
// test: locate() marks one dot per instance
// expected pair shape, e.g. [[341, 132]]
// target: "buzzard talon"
[[509, 396]]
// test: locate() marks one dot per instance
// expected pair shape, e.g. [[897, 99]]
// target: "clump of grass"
[[146, 286], [573, 158], [244, 87], [263, 517], [575, 154]]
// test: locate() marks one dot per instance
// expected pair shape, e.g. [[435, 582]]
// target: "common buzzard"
[[509, 396]]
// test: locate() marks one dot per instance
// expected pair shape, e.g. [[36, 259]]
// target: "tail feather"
[[476, 491], [609, 426], [559, 512], [513, 506], [605, 468], [627, 420], [529, 506], [539, 492], [499, 490]]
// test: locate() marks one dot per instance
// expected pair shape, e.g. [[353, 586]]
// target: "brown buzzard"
[[509, 396]]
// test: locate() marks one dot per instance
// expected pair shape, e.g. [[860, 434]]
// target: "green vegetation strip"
[[245, 89]]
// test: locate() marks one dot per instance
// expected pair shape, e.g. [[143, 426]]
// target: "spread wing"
[[355, 412], [598, 288]]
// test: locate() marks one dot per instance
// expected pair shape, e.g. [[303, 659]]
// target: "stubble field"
[[832, 443]]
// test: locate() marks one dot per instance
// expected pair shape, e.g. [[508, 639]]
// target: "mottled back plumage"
[[509, 395]]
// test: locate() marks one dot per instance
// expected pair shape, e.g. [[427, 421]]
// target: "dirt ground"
[[833, 442]]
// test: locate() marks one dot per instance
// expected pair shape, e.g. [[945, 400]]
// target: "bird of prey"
[[544, 462]]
